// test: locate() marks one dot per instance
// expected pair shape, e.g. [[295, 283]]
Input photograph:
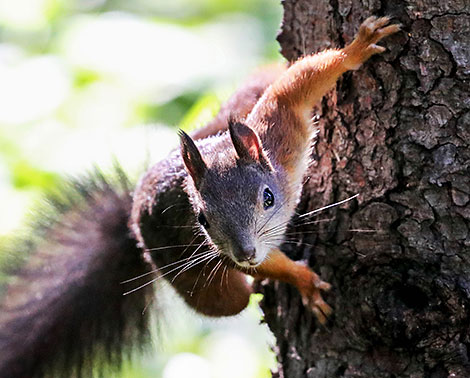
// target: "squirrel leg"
[[213, 289], [364, 45], [290, 99], [308, 79], [278, 266]]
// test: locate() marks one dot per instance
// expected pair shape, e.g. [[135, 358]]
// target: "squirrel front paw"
[[371, 31], [311, 297], [308, 283]]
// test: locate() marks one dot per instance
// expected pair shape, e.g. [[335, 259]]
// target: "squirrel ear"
[[192, 158], [247, 144]]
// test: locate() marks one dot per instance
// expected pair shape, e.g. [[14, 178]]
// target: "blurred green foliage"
[[86, 81]]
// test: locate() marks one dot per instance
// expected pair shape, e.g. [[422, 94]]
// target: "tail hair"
[[62, 311]]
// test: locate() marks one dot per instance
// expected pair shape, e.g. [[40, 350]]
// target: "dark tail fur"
[[63, 312]]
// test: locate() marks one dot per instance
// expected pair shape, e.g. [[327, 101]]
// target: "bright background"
[[83, 81]]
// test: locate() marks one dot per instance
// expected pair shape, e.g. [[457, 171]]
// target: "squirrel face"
[[240, 206]]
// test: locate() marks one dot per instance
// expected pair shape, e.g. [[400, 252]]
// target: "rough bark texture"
[[397, 131]]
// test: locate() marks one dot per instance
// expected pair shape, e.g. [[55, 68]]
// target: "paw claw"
[[321, 310], [322, 285], [305, 301], [374, 29], [319, 314], [391, 29], [312, 299], [323, 306], [375, 49], [382, 21], [371, 31]]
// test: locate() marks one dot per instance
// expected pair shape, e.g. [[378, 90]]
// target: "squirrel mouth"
[[247, 264], [252, 262]]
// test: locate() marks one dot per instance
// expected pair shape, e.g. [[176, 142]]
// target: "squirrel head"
[[241, 201]]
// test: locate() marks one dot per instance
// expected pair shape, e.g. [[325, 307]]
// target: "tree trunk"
[[397, 131]]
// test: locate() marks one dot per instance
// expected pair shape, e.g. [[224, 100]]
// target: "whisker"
[[189, 266], [328, 206], [213, 273], [314, 222], [171, 246], [295, 221], [140, 276], [279, 208], [290, 242], [194, 262], [222, 277], [279, 238], [174, 226], [367, 231], [318, 232], [272, 215], [162, 267], [194, 252], [210, 273], [198, 259], [280, 226], [171, 207], [141, 286], [199, 275], [147, 305]]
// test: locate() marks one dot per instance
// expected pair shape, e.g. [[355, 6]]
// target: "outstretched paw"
[[364, 45], [311, 297], [374, 29]]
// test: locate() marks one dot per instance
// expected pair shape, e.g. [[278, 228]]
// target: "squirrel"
[[212, 212]]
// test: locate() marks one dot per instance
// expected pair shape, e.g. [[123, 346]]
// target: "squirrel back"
[[65, 305]]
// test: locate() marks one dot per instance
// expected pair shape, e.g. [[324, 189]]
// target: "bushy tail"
[[63, 312]]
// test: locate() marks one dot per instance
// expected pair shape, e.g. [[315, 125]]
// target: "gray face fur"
[[229, 196], [238, 222]]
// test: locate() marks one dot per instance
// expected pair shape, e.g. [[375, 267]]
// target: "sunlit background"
[[86, 81]]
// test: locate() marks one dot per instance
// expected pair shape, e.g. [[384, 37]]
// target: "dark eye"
[[268, 198], [201, 218]]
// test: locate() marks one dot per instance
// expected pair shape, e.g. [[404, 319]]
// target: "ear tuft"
[[247, 143], [192, 158]]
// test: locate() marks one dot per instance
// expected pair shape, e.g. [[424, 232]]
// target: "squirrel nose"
[[247, 255]]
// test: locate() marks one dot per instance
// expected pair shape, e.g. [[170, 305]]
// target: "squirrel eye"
[[201, 218], [268, 198]]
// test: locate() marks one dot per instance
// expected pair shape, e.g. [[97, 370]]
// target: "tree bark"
[[397, 131]]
